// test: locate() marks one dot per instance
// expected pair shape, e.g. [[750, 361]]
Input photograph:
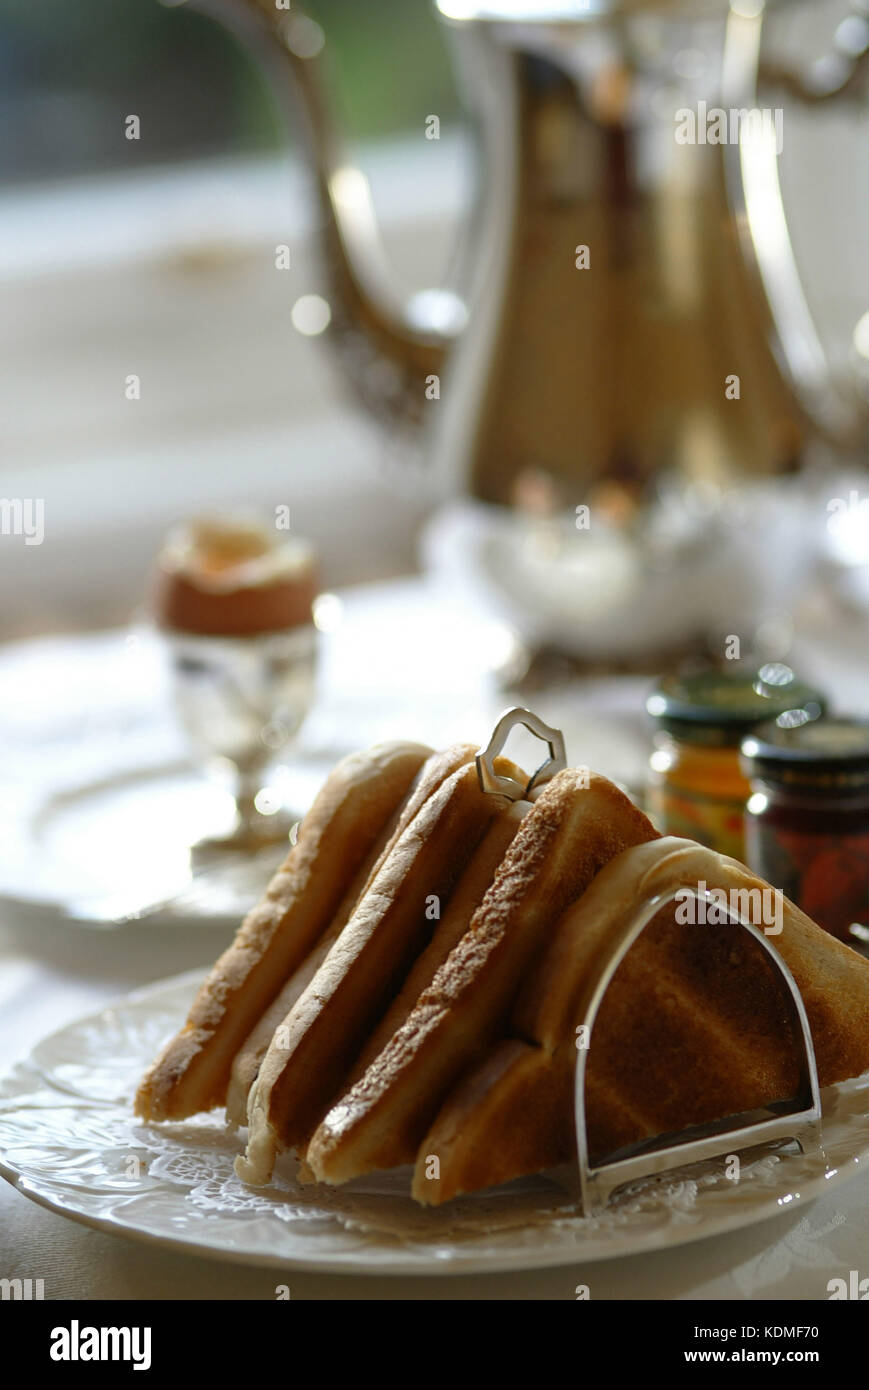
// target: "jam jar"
[[696, 786], [807, 821]]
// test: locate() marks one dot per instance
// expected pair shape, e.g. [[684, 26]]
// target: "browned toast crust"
[[315, 1047], [357, 800]]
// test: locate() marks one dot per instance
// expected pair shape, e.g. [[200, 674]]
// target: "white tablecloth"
[[51, 972]]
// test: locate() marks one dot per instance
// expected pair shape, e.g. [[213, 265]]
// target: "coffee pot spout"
[[394, 345]]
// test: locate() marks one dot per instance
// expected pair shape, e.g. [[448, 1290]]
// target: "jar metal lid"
[[824, 755], [719, 708]]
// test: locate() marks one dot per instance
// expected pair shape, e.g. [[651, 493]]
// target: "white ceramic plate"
[[69, 1140], [99, 807]]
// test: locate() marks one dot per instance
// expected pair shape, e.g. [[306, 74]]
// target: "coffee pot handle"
[[837, 405]]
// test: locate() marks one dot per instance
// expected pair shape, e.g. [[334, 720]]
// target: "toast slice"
[[694, 1026], [348, 825]]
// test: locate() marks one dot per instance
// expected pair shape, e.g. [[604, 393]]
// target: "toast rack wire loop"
[[492, 781], [801, 1121]]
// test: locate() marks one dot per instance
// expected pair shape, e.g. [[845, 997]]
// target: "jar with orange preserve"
[[696, 786], [807, 823]]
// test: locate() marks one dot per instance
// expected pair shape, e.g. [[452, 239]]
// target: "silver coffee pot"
[[633, 275]]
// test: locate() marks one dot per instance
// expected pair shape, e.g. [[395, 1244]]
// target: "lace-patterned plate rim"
[[66, 1129]]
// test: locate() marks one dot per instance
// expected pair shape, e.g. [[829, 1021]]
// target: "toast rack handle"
[[492, 781], [801, 1122]]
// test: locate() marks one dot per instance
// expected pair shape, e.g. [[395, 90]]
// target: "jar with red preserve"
[[807, 820]]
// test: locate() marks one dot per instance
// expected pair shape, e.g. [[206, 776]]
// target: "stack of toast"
[[408, 990]]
